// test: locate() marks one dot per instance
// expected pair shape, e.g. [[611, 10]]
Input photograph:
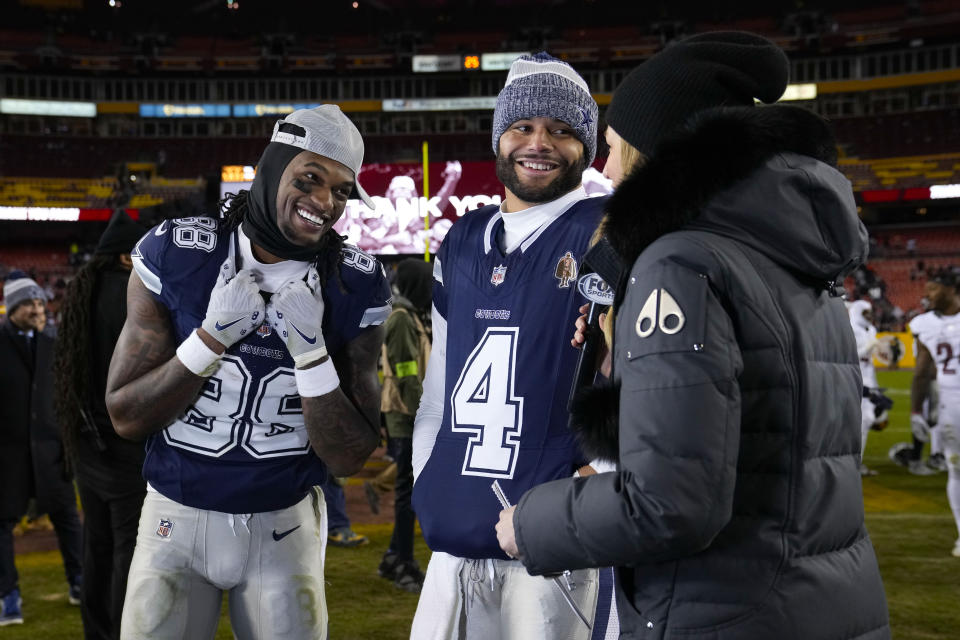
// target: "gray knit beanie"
[[20, 288], [543, 86], [714, 69]]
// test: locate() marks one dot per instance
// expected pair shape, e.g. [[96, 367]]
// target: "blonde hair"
[[630, 157]]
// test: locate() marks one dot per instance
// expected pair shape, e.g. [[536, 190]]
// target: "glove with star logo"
[[296, 313], [235, 308]]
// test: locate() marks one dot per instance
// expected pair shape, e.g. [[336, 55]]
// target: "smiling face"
[[539, 160], [312, 195], [30, 314]]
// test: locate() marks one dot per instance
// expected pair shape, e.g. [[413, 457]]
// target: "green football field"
[[908, 518]]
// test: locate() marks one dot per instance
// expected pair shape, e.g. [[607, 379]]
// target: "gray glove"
[[296, 313], [235, 308], [920, 427]]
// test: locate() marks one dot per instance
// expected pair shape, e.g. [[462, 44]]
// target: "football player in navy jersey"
[[494, 400], [248, 362]]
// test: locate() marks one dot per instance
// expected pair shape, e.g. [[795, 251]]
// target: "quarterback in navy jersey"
[[248, 362], [495, 391]]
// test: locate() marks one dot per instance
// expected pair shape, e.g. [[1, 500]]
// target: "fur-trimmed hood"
[[762, 175]]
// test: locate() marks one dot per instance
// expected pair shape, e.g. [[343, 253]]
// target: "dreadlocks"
[[233, 210], [72, 355]]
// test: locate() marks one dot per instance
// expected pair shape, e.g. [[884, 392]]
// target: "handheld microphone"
[[586, 369], [601, 267]]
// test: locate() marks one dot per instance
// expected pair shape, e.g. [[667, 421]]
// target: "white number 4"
[[483, 404]]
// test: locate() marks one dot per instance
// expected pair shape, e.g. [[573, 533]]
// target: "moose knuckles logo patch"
[[660, 311]]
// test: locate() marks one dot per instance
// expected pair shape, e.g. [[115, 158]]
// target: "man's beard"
[[570, 176]]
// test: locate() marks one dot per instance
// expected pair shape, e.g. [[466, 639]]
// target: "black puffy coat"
[[737, 508], [31, 453]]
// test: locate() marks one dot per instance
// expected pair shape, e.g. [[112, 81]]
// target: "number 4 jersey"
[[509, 367], [242, 446]]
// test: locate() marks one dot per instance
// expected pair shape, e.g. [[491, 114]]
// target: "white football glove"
[[235, 308], [919, 427], [296, 313]]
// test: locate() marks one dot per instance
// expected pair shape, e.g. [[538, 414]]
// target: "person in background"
[[873, 405], [736, 510], [404, 357], [910, 454], [32, 463], [938, 359], [108, 468], [339, 531]]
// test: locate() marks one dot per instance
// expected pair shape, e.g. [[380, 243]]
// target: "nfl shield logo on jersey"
[[164, 528], [264, 330], [499, 273]]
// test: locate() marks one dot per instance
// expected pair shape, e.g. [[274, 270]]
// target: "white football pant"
[[270, 563]]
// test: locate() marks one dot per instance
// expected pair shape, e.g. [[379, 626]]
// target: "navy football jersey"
[[242, 446], [509, 366]]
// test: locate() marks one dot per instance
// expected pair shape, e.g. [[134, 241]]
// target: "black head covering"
[[944, 277], [260, 223], [415, 282], [121, 235], [716, 69]]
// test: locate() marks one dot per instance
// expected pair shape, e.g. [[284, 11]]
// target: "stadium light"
[[48, 108], [944, 191], [44, 214]]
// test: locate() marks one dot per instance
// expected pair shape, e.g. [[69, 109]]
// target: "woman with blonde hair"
[[736, 510]]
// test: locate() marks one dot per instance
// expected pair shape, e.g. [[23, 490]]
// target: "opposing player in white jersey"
[[494, 399], [910, 454], [873, 406], [248, 361], [938, 357]]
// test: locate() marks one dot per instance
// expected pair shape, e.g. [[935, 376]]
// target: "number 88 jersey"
[[509, 366], [242, 446]]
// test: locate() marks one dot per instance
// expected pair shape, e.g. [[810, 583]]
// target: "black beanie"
[[121, 235], [717, 69], [415, 282]]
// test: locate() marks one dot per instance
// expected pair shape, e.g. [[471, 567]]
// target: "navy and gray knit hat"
[[20, 288], [543, 86], [714, 69]]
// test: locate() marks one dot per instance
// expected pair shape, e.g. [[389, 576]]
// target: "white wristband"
[[317, 381], [309, 356], [197, 356]]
